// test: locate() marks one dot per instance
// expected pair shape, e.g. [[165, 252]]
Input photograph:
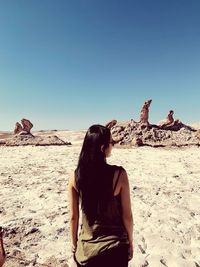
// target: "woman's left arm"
[[74, 212]]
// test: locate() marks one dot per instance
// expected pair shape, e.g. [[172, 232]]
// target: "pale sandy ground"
[[164, 183]]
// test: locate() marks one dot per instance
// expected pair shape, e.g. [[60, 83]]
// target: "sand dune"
[[164, 191]]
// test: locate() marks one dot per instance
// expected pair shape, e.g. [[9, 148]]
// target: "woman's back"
[[107, 230]]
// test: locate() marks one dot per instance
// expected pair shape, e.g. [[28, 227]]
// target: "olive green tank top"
[[102, 235]]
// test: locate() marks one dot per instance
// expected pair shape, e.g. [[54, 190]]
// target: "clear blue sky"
[[67, 64]]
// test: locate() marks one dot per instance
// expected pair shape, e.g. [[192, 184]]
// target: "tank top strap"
[[115, 185]]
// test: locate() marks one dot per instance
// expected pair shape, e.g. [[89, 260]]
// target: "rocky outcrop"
[[144, 113], [138, 134], [23, 137], [18, 128], [24, 140], [23, 129], [169, 120], [110, 124], [27, 125]]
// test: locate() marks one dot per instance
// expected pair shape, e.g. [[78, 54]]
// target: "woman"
[[106, 233]]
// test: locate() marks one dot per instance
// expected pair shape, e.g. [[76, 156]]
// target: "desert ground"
[[165, 194]]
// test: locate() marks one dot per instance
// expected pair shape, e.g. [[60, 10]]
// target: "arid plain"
[[164, 184]]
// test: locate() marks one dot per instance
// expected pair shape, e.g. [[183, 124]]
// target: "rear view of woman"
[[106, 233]]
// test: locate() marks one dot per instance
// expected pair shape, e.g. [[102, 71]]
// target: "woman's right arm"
[[74, 212], [126, 208]]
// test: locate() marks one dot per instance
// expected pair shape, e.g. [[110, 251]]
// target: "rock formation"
[[18, 128], [144, 114], [138, 134], [169, 133], [25, 128], [22, 137], [110, 124], [27, 125], [2, 251], [169, 120]]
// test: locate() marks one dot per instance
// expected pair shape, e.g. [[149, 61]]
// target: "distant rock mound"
[[138, 134], [24, 140], [23, 137]]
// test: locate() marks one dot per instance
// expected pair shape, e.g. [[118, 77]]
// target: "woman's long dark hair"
[[92, 173]]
